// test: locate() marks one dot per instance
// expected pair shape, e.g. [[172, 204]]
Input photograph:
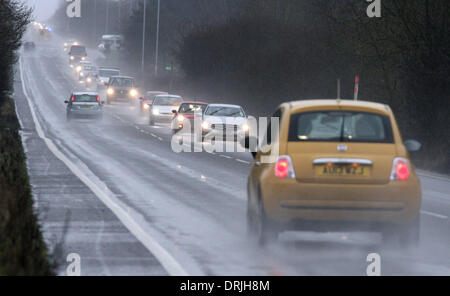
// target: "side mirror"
[[103, 102], [250, 143], [141, 98], [174, 111], [66, 102], [412, 145]]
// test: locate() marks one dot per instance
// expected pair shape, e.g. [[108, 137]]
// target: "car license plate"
[[85, 107], [342, 171]]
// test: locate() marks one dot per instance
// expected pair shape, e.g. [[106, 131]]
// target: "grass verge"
[[22, 248]]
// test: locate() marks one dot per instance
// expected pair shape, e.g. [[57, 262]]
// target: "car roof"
[[121, 76], [151, 92], [333, 104], [170, 96], [224, 105], [195, 103], [90, 93], [105, 68]]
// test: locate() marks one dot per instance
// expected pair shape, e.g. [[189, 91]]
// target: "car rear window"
[[108, 73], [340, 126], [85, 98]]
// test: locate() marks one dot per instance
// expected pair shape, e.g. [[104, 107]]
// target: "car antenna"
[[338, 90]]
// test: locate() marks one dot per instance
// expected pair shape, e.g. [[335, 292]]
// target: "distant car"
[[77, 53], [84, 105], [29, 45], [224, 121], [68, 44], [162, 108], [105, 73], [90, 80], [81, 65], [342, 166], [121, 88], [187, 113], [87, 70], [146, 102]]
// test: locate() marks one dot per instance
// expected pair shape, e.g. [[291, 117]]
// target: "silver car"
[[84, 105], [224, 121], [163, 107]]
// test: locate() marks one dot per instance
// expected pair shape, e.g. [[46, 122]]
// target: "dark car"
[[77, 54], [121, 88], [84, 105]]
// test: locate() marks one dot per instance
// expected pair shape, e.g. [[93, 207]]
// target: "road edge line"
[[168, 262]]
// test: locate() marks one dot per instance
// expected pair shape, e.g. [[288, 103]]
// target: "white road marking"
[[167, 261], [434, 215], [243, 161], [225, 156]]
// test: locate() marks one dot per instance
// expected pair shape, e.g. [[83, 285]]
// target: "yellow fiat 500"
[[341, 166]]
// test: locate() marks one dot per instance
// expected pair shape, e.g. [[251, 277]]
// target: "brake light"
[[284, 168], [73, 98], [400, 169], [98, 99]]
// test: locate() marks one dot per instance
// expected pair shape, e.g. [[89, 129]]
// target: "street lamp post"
[[157, 38], [143, 36]]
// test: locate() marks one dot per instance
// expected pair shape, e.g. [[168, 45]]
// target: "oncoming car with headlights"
[[224, 121], [84, 105], [104, 74], [162, 108], [146, 102], [187, 114], [77, 54], [342, 166], [121, 88]]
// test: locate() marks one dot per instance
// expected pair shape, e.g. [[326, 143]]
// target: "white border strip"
[[169, 263]]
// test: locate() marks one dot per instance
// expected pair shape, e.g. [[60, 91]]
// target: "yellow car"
[[341, 166]]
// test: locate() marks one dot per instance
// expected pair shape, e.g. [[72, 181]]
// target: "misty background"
[[259, 53]]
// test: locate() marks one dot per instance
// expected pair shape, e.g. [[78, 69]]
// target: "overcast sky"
[[43, 8]]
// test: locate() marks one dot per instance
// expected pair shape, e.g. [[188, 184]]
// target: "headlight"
[[180, 117], [78, 69], [155, 112], [110, 91], [206, 125], [83, 58], [89, 80], [81, 74], [72, 58], [146, 106], [245, 128], [65, 44], [133, 93]]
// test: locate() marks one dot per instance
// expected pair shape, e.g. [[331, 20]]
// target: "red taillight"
[[284, 168], [400, 169], [98, 99], [73, 98]]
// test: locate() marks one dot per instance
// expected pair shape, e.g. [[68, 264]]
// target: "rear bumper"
[[85, 113], [289, 201]]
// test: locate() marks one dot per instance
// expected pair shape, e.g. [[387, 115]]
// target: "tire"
[[259, 226]]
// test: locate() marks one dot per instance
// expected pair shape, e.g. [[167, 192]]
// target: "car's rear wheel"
[[259, 226]]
